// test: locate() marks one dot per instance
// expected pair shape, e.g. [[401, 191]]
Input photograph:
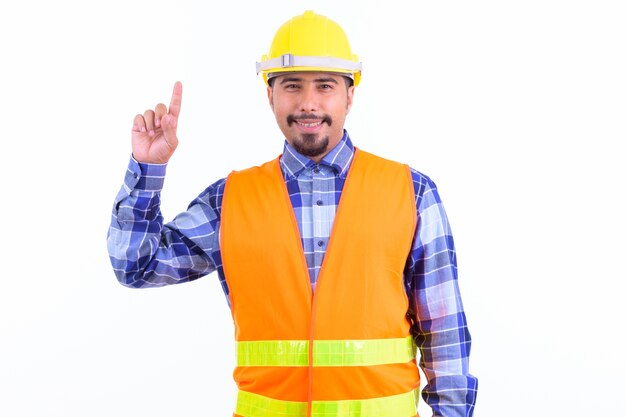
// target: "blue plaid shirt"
[[145, 252]]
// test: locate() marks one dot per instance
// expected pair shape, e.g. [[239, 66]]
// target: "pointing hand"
[[154, 137]]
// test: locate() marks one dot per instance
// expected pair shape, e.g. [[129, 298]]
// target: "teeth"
[[310, 124]]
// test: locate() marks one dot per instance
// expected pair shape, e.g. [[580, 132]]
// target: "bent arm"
[[145, 252], [440, 328]]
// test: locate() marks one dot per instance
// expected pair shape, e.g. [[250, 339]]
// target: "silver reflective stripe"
[[289, 60]]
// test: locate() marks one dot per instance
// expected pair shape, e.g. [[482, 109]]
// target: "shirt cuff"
[[145, 177]]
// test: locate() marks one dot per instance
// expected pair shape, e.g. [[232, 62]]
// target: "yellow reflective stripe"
[[325, 352], [255, 405], [273, 353], [362, 352]]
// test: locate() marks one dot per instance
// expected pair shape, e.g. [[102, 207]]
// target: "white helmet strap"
[[289, 60]]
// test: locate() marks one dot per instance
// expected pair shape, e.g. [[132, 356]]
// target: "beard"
[[309, 145]]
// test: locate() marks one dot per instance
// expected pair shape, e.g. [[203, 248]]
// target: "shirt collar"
[[339, 158]]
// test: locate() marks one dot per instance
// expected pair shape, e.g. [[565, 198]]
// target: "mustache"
[[324, 118]]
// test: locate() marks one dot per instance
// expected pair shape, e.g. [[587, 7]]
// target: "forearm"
[[450, 390], [143, 251], [443, 338]]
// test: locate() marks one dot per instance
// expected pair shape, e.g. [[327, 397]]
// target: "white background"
[[515, 109]]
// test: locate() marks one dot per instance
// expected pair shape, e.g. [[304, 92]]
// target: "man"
[[325, 323]]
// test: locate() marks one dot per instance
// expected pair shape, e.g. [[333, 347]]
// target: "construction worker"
[[337, 264]]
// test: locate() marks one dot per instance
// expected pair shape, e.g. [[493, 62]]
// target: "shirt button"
[[319, 202], [316, 170], [320, 243]]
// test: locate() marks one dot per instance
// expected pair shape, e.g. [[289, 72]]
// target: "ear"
[[270, 96], [349, 98]]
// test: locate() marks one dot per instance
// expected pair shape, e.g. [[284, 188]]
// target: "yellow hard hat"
[[310, 42]]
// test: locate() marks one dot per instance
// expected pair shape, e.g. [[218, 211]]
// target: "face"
[[311, 109]]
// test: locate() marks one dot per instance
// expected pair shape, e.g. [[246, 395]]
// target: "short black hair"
[[349, 81]]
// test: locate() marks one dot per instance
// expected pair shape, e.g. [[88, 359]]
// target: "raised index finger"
[[177, 97]]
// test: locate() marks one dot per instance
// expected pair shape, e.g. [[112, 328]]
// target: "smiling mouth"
[[309, 121], [314, 124]]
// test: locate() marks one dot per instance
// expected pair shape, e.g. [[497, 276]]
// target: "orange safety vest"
[[345, 350]]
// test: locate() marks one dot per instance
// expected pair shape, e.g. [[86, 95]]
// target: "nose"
[[309, 98]]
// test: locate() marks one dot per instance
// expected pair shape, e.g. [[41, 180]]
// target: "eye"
[[291, 86], [326, 86]]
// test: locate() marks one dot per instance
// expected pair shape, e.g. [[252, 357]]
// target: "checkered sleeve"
[[145, 252], [440, 327]]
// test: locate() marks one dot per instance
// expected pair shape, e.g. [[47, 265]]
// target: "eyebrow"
[[325, 80], [317, 80]]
